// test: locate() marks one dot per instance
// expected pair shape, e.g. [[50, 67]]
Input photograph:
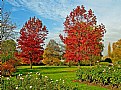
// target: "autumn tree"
[[31, 41], [83, 37], [109, 50], [7, 45], [8, 49], [116, 52], [51, 54], [7, 27], [7, 56]]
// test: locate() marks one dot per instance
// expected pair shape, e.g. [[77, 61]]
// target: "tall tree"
[[31, 41], [7, 32], [109, 50], [83, 38], [7, 28], [7, 57], [116, 53], [51, 54], [8, 49]]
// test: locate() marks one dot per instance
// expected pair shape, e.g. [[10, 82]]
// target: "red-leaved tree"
[[31, 41], [83, 38]]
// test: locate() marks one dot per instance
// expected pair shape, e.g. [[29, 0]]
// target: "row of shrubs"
[[34, 82], [103, 75]]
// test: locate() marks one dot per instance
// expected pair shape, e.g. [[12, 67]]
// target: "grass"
[[58, 72]]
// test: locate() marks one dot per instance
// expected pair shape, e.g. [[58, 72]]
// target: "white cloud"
[[51, 9]]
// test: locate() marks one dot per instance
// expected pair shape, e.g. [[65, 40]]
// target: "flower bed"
[[34, 82], [103, 75]]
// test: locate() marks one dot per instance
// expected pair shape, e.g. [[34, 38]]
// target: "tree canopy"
[[31, 41], [51, 54], [83, 38]]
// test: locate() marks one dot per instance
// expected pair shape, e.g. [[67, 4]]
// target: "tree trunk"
[[30, 63], [69, 64], [79, 64], [90, 63]]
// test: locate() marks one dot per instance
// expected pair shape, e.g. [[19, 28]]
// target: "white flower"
[[63, 81], [111, 64], [21, 78], [16, 87], [51, 79], [104, 70], [97, 61], [60, 78], [56, 80], [46, 77], [8, 78], [30, 86], [30, 72], [36, 78]]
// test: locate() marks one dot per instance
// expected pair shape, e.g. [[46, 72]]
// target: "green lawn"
[[68, 74]]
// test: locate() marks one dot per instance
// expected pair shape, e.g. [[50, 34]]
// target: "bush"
[[34, 82], [104, 75], [108, 60], [8, 67]]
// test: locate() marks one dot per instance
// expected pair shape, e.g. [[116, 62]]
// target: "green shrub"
[[108, 60], [34, 82], [105, 75]]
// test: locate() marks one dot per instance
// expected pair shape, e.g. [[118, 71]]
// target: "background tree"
[[8, 49], [62, 51], [7, 28], [51, 54], [7, 46], [8, 58], [83, 38], [116, 53], [109, 50], [31, 41]]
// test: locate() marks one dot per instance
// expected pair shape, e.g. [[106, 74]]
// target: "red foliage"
[[8, 67], [83, 37], [31, 40]]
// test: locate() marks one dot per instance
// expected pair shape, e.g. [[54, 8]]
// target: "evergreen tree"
[[109, 50]]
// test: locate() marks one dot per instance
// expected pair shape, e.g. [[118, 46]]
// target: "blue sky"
[[53, 14]]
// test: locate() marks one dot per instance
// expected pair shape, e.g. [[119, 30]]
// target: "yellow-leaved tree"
[[51, 54], [116, 53]]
